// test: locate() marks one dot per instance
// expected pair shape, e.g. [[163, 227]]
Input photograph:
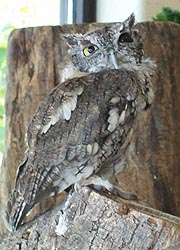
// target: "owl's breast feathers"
[[79, 127]]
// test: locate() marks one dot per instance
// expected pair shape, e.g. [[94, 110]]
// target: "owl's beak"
[[112, 59]]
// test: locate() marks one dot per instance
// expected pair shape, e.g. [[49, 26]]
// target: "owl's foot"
[[117, 191], [98, 183]]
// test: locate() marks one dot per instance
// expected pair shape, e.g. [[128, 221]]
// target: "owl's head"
[[108, 47]]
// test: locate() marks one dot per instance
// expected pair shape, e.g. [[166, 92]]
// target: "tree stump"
[[92, 221], [35, 60]]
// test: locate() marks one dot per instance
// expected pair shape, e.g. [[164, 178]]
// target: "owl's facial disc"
[[108, 47]]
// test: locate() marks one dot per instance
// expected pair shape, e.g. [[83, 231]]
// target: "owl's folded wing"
[[57, 106]]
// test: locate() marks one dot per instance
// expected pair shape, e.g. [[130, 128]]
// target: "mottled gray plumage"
[[81, 130]]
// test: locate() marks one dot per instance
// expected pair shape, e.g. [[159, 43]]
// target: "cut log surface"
[[92, 221], [35, 59]]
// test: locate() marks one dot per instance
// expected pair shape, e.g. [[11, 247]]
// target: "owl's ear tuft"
[[72, 39], [129, 22]]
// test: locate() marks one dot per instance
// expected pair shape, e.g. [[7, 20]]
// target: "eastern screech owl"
[[80, 133]]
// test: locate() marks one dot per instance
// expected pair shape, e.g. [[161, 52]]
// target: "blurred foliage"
[[168, 14], [3, 47], [18, 14], [2, 118], [2, 65], [5, 31]]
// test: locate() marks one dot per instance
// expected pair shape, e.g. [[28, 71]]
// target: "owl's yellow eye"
[[88, 51]]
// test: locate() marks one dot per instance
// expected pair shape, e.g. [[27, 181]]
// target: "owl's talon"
[[118, 192], [100, 183]]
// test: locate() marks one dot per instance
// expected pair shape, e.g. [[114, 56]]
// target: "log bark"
[[93, 221], [153, 168], [36, 57]]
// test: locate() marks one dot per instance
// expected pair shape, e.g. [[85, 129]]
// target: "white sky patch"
[[25, 13], [117, 10]]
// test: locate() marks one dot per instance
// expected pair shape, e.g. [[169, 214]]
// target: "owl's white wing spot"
[[122, 117], [73, 103], [92, 149], [66, 110], [116, 117], [95, 148], [67, 105], [70, 178], [89, 149], [130, 97], [115, 99], [113, 119], [45, 128]]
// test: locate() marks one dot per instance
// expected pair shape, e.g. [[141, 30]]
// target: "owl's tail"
[[15, 211]]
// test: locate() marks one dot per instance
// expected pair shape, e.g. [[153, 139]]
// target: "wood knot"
[[123, 209]]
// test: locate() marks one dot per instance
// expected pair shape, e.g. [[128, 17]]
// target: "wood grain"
[[92, 221]]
